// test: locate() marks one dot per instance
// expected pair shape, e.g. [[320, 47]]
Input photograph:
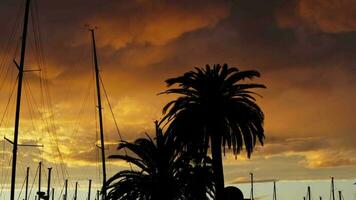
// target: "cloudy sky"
[[305, 50]]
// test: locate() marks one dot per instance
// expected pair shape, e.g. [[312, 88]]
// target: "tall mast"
[[18, 100], [102, 144]]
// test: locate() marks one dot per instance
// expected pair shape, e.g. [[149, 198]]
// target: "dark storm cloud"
[[306, 59]]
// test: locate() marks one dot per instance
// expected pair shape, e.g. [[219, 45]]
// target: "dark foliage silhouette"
[[197, 177], [214, 107], [160, 172]]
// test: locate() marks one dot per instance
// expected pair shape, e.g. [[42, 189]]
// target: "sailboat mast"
[[76, 190], [65, 190], [274, 191], [39, 179], [27, 177], [18, 99], [102, 144], [332, 188], [89, 190], [49, 183], [309, 193], [251, 174]]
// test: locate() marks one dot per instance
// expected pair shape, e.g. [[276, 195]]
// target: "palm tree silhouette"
[[161, 172], [214, 107]]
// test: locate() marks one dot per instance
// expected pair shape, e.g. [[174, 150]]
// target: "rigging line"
[[29, 97], [113, 116], [24, 181], [7, 173], [51, 145], [53, 149], [2, 165], [60, 194], [38, 30], [8, 102], [49, 123], [44, 172], [10, 68], [43, 104], [33, 183], [12, 35], [55, 138], [74, 70], [83, 104], [30, 105], [32, 113], [37, 33], [30, 109], [34, 32], [32, 24]]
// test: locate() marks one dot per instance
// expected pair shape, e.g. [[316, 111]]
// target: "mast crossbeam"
[[24, 145]]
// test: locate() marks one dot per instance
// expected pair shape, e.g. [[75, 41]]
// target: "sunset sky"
[[304, 49]]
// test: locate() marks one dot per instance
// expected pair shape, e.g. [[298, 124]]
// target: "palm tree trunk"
[[217, 166]]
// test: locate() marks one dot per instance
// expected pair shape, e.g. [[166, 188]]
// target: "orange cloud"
[[331, 16], [156, 22], [328, 159]]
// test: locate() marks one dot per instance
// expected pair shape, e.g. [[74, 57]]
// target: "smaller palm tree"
[[161, 172]]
